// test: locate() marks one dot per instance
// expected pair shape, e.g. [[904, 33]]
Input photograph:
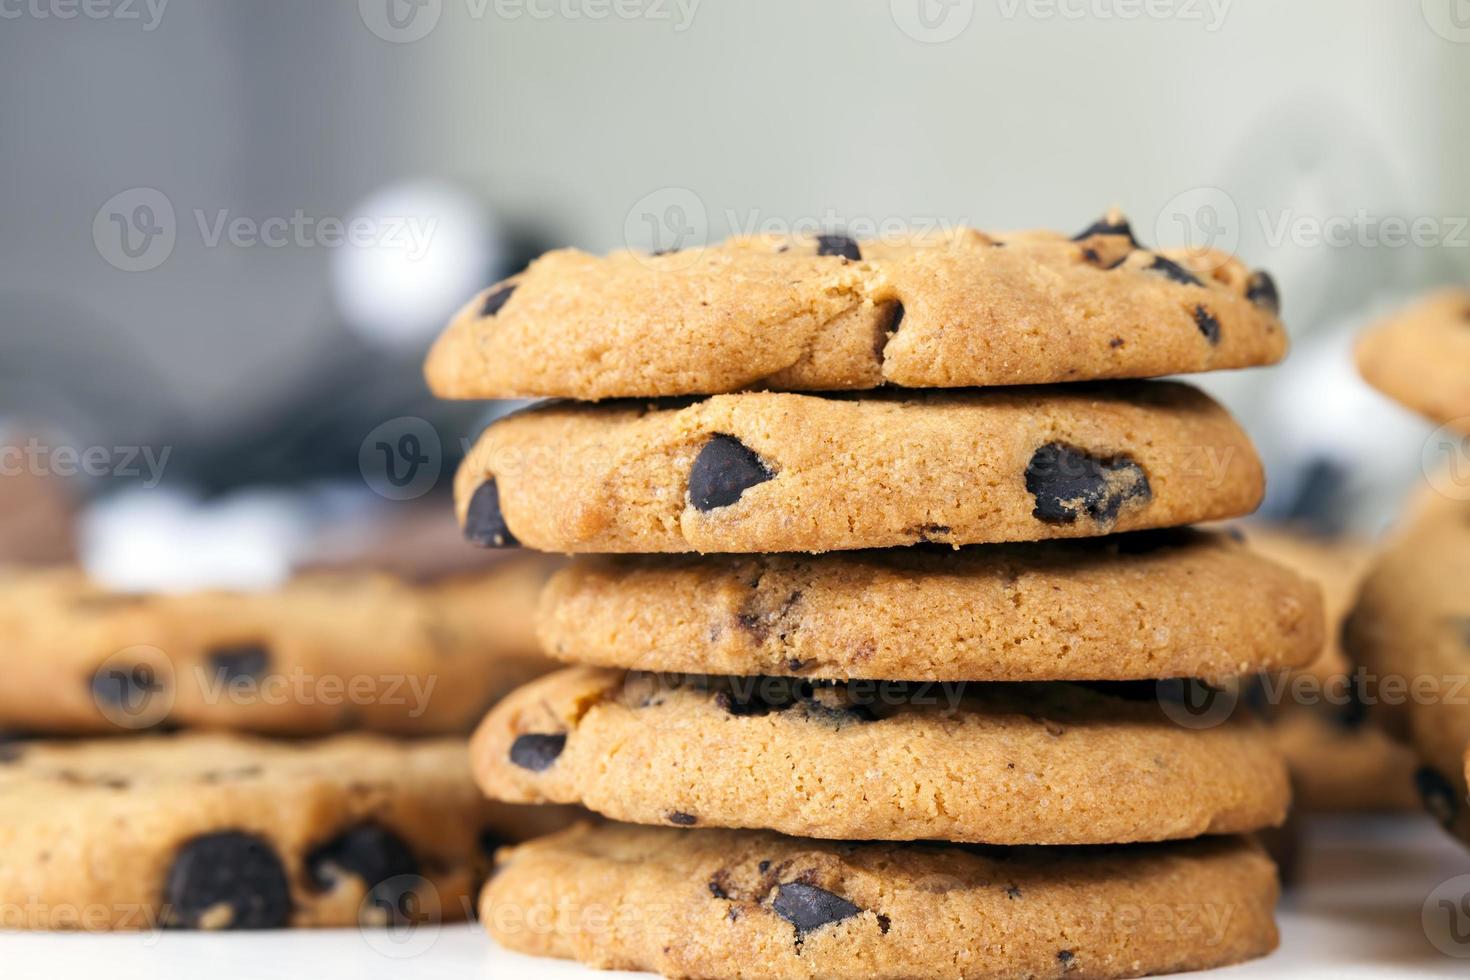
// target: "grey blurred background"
[[179, 177]]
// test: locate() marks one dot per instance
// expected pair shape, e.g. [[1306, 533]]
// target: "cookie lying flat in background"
[[948, 309], [762, 472], [229, 832], [1420, 357], [326, 652], [714, 903], [864, 760]]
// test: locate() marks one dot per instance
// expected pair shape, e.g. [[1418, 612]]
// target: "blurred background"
[[230, 230]]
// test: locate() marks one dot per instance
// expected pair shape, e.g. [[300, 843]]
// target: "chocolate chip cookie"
[[947, 309], [1150, 604], [229, 832], [857, 760], [1420, 357], [328, 651], [1410, 630], [715, 903], [762, 472]]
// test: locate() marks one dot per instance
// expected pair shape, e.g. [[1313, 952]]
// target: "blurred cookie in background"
[[1420, 357], [327, 652], [1338, 760]]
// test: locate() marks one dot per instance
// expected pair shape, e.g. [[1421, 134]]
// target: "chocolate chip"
[[884, 924], [537, 752], [763, 867], [484, 524], [809, 908], [1066, 481], [1065, 957], [1115, 343], [370, 853], [724, 469], [1438, 794], [893, 324], [1262, 292], [496, 300], [682, 819], [839, 245], [1103, 226], [227, 880], [245, 660], [1012, 892], [1174, 271], [717, 886], [1207, 324], [760, 695]]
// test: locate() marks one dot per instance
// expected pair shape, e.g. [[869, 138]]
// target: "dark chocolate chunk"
[[724, 469], [1065, 957], [496, 300], [484, 524], [809, 908], [1174, 271], [126, 688], [897, 320], [1438, 794], [1066, 481], [537, 752], [1103, 226], [372, 854], [682, 819], [1207, 324], [839, 245], [1262, 291], [229, 872], [244, 660]]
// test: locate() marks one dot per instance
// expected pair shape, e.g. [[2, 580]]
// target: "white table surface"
[[1357, 913]]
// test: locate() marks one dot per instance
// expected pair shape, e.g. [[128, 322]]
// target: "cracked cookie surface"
[[957, 308], [993, 764], [712, 903], [1150, 604], [767, 472], [230, 832]]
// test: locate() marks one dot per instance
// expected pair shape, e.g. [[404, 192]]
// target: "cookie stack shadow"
[[892, 652]]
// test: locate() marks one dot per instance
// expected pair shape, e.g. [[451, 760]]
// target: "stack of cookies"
[[1410, 628], [171, 801], [831, 605]]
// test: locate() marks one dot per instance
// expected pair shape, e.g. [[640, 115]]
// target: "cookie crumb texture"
[[1171, 603], [958, 308], [764, 472], [713, 903], [993, 764], [1420, 357], [226, 832]]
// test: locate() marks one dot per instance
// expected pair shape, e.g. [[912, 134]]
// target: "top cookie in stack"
[[773, 471]]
